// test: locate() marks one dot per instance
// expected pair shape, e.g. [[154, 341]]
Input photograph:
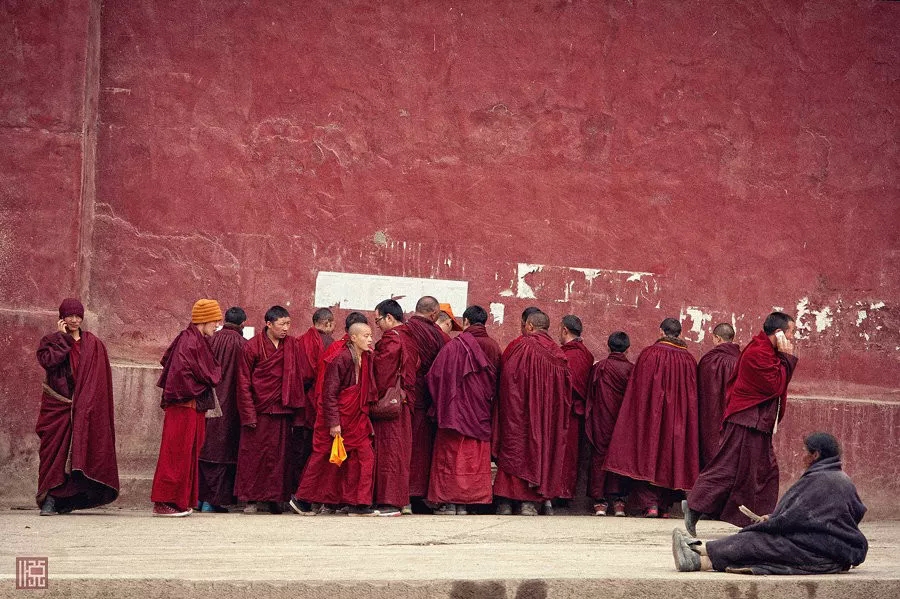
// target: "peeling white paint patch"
[[699, 319], [506, 293], [498, 311], [523, 289], [876, 306], [802, 310], [823, 319], [860, 316], [358, 291]]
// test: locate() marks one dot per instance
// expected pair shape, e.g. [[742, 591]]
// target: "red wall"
[[742, 157]]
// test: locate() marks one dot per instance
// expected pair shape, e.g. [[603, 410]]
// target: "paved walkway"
[[123, 553]]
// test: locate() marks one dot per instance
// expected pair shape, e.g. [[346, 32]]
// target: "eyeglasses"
[[380, 318]]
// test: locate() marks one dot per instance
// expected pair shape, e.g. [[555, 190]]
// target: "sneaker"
[[276, 507], [251, 508], [326, 511], [407, 510], [600, 508], [343, 510], [691, 517], [206, 508], [504, 508], [447, 509], [548, 508], [528, 509], [686, 559], [48, 508], [461, 510], [361, 510], [298, 506], [619, 508], [652, 512], [388, 512], [167, 510]]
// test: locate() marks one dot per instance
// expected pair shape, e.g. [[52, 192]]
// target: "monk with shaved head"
[[531, 422], [714, 371]]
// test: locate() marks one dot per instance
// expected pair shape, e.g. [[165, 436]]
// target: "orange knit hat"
[[206, 310]]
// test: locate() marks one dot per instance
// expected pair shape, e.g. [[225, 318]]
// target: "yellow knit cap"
[[206, 310]]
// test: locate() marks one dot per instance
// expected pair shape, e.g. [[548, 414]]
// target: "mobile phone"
[[779, 334]]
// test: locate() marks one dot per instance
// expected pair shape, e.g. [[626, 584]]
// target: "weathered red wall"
[[704, 160]]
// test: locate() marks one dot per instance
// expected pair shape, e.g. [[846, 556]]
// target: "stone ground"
[[126, 553]]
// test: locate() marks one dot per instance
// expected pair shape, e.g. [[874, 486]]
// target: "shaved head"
[[322, 315], [360, 336], [427, 305], [354, 318], [358, 327], [528, 312], [539, 321], [724, 331]]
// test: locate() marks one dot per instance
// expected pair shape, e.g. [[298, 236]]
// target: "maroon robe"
[[75, 425], [395, 355], [189, 377], [218, 458], [428, 339], [532, 419], [462, 382], [580, 361], [609, 379], [655, 438], [714, 371], [270, 390], [744, 470], [344, 399]]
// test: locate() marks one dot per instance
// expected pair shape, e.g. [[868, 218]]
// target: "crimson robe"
[[655, 438], [270, 390], [609, 380], [462, 382], [580, 361], [76, 425], [218, 458], [428, 339], [190, 374], [395, 355], [744, 470], [714, 371], [344, 399], [532, 419]]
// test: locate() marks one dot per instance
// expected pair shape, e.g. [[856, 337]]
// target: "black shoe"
[[361, 510], [691, 517], [48, 508], [275, 507]]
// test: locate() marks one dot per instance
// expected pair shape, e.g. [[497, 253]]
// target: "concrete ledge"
[[122, 553]]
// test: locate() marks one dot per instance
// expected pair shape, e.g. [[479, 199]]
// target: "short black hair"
[[775, 321], [528, 312], [475, 315], [618, 342], [392, 307], [235, 315], [539, 320], [724, 331], [322, 315], [573, 324], [276, 312], [670, 327], [427, 305], [355, 318], [824, 443]]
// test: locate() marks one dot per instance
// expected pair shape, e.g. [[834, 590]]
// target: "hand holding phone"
[[782, 343]]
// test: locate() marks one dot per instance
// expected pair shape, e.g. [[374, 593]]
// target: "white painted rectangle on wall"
[[358, 291]]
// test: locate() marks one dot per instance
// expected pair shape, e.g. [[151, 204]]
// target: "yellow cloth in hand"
[[338, 453]]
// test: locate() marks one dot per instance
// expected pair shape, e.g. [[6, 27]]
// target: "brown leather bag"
[[388, 406]]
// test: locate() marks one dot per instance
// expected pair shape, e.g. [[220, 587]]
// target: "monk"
[[428, 339], [713, 373], [580, 361], [76, 428], [188, 380], [218, 458], [447, 321], [814, 529], [313, 344], [270, 391], [609, 379], [395, 357], [744, 470], [345, 388], [525, 314], [463, 383], [655, 441], [531, 426]]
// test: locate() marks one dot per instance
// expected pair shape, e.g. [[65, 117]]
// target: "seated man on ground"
[[813, 530]]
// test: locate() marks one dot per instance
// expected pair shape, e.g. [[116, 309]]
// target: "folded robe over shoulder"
[[715, 370], [813, 530], [532, 416], [655, 438]]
